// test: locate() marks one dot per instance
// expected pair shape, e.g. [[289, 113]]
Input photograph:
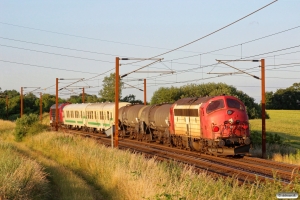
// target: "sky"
[[44, 40]]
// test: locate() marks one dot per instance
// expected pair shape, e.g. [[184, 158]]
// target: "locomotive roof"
[[59, 105], [193, 100]]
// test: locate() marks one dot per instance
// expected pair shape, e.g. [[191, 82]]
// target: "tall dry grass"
[[293, 158], [20, 178], [6, 125], [123, 175]]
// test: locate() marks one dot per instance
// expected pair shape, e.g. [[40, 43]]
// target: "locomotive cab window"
[[215, 105], [232, 103]]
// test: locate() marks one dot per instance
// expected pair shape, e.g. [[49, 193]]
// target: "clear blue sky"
[[90, 34]]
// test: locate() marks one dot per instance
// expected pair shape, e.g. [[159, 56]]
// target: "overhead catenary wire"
[[205, 66], [224, 48], [59, 47], [57, 54], [41, 66], [206, 35]]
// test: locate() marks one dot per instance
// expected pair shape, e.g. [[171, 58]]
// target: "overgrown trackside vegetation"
[[28, 125], [6, 126], [20, 178], [123, 175]]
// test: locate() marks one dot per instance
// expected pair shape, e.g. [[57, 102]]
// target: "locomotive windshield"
[[215, 105], [232, 103]]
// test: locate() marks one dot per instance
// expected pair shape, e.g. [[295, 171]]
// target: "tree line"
[[281, 99]]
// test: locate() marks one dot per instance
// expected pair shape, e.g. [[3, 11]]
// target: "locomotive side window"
[[186, 112], [215, 105], [232, 103]]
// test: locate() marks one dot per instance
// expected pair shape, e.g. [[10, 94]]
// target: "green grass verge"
[[285, 123]]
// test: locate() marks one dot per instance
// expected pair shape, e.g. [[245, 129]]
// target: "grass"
[[123, 175], [20, 177], [6, 125], [80, 168], [62, 182], [293, 158], [283, 122]]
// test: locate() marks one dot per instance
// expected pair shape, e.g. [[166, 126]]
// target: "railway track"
[[246, 169]]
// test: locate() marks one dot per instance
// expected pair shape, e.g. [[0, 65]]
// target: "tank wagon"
[[146, 123]]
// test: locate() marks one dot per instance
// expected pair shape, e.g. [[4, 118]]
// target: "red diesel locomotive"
[[218, 125]]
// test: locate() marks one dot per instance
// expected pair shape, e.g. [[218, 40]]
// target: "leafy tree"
[[165, 94], [269, 98], [172, 94], [75, 99], [47, 101], [2, 104], [108, 91], [29, 105], [13, 104], [131, 99], [87, 98], [91, 98], [284, 98]]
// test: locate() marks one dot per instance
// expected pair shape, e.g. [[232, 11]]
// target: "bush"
[[270, 138], [28, 125]]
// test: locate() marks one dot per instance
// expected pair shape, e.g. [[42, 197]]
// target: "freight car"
[[145, 123], [217, 125]]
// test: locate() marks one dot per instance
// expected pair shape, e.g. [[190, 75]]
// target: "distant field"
[[285, 123]]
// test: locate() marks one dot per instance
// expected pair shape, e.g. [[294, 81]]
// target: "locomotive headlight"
[[229, 112]]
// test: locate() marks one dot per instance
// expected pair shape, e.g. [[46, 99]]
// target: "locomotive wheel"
[[197, 146]]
